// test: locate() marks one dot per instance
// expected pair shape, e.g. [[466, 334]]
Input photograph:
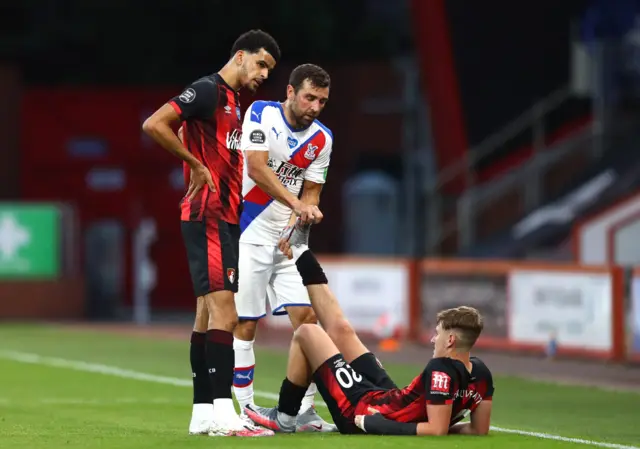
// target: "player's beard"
[[301, 119], [251, 84]]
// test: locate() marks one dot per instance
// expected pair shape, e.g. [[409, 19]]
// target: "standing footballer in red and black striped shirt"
[[358, 391], [209, 112]]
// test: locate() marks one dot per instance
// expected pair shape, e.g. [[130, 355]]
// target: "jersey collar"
[[291, 128]]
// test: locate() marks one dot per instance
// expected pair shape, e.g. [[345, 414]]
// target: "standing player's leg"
[[202, 412], [213, 261], [291, 298], [255, 264]]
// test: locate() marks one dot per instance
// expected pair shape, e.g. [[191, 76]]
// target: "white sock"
[[309, 396], [245, 362], [223, 410], [202, 411], [298, 251]]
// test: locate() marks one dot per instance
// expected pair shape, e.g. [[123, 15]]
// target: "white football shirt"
[[295, 156]]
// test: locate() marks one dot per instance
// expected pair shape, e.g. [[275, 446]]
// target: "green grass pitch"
[[69, 389]]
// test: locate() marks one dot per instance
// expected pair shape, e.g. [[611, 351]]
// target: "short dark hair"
[[317, 76], [254, 40]]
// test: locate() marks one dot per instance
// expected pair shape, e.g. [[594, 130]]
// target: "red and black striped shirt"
[[210, 111], [443, 381]]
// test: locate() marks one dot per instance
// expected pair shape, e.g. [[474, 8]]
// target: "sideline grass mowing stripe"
[[109, 370]]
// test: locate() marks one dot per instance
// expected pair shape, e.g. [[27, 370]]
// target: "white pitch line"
[[98, 402], [109, 370], [547, 436]]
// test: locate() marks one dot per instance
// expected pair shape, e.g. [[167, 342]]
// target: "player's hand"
[[283, 241], [309, 214], [284, 246], [199, 177], [359, 421]]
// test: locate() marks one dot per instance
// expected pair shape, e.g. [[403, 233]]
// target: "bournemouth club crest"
[[231, 274]]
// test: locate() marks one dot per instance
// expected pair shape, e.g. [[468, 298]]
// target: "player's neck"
[[230, 76], [288, 116], [463, 357]]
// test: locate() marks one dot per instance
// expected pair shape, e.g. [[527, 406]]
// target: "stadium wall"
[[568, 309]]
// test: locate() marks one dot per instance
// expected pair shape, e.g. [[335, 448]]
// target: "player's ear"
[[451, 340], [291, 93], [239, 57]]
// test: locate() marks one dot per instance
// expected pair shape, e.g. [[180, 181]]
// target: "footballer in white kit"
[[287, 151]]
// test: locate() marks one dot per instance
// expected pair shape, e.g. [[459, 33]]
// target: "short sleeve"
[[255, 133], [198, 101], [439, 380], [317, 170], [490, 388]]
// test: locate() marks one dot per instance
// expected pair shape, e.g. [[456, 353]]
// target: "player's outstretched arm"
[[438, 424], [315, 177], [480, 421], [310, 196], [260, 173]]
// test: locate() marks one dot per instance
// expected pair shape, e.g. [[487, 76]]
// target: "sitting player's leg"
[[202, 413], [310, 354], [299, 315], [290, 297], [344, 336], [330, 313], [255, 266]]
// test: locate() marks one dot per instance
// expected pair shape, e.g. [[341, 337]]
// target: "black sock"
[[291, 396], [220, 361], [201, 384], [369, 366], [310, 269]]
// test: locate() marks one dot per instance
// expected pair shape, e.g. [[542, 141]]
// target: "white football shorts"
[[265, 274]]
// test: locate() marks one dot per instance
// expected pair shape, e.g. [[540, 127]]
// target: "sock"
[[220, 360], [201, 384], [290, 398], [245, 362], [309, 396], [298, 251], [369, 366], [310, 269]]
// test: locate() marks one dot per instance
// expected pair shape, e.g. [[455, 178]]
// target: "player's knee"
[[302, 315], [340, 330], [222, 311], [227, 323], [202, 316], [305, 332], [246, 329]]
